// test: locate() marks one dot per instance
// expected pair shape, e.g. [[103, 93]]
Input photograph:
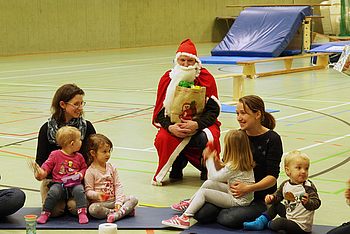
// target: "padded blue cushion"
[[262, 31]]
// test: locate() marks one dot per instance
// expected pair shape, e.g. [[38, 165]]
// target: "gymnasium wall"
[[44, 26]]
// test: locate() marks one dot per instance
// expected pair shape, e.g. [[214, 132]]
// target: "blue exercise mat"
[[235, 59], [232, 109], [262, 31], [145, 218], [217, 228], [227, 59], [330, 47]]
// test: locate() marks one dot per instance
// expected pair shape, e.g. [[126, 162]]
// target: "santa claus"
[[179, 143]]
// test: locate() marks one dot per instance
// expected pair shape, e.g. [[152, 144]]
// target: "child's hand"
[[305, 198], [347, 191], [269, 198], [208, 153], [117, 207], [347, 194], [103, 196], [210, 145], [39, 173], [81, 177]]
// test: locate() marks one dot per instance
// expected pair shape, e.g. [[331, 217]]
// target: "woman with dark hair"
[[67, 109], [266, 146]]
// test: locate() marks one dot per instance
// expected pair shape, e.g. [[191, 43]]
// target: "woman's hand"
[[239, 189], [269, 198]]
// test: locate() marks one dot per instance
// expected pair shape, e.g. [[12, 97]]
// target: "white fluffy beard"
[[177, 74]]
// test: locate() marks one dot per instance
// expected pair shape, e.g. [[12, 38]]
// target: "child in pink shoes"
[[102, 185], [68, 168], [237, 165]]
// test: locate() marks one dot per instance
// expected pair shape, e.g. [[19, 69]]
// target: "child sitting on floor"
[[237, 166], [68, 167], [295, 201], [102, 185]]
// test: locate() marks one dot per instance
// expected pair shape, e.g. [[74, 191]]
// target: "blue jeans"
[[232, 217], [11, 200]]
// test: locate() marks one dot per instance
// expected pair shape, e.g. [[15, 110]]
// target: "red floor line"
[[17, 154], [14, 134], [19, 120], [122, 117]]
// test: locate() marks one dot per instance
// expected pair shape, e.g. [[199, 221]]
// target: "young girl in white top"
[[237, 166], [102, 185]]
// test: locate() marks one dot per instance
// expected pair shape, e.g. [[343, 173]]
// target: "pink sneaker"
[[44, 216], [181, 206], [177, 222], [111, 217], [82, 215]]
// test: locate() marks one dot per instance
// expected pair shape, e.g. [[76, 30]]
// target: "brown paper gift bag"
[[187, 103]]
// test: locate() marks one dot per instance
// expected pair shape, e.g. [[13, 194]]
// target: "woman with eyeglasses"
[[67, 109]]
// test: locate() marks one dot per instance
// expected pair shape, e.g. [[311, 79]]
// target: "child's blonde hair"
[[293, 155], [237, 153], [95, 142], [66, 134]]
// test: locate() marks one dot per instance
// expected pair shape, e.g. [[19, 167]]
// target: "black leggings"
[[231, 217], [342, 229], [285, 226], [281, 224]]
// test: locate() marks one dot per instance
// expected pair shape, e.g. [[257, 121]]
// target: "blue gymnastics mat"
[[234, 59], [145, 218], [262, 31], [330, 47], [217, 228], [227, 59], [232, 109]]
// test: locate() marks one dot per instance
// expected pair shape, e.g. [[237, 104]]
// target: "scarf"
[[53, 126]]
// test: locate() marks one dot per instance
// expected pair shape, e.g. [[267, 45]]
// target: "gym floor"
[[120, 87]]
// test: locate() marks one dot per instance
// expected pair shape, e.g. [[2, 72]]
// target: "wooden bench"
[[249, 69]]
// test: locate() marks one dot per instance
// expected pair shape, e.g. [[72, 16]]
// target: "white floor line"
[[150, 149], [84, 65], [302, 100], [14, 137], [76, 71], [324, 142], [308, 112]]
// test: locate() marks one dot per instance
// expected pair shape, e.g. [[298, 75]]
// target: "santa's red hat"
[[187, 48]]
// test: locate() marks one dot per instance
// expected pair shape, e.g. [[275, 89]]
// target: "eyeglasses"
[[76, 106]]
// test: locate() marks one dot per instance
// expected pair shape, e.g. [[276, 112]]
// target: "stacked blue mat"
[[262, 31]]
